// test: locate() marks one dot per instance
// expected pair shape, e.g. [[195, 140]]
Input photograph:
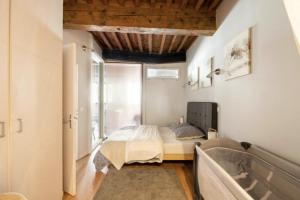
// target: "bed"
[[155, 144], [203, 115], [177, 149]]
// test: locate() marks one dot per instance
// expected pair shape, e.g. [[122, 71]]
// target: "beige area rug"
[[141, 183]]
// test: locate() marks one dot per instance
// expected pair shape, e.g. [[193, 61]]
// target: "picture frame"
[[205, 79], [237, 60]]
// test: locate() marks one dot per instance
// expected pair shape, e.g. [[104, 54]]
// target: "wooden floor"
[[88, 181]]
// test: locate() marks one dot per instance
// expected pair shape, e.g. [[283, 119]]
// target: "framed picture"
[[237, 56], [193, 78], [205, 74]]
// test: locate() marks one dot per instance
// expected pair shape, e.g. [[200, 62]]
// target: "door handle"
[[20, 130], [70, 121], [2, 130]]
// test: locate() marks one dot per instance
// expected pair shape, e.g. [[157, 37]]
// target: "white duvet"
[[143, 144]]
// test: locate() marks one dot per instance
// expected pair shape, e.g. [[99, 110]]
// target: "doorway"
[[82, 108], [122, 96]]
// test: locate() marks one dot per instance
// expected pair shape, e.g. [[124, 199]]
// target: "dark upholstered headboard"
[[203, 115]]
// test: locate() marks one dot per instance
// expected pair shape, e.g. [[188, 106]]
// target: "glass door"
[[95, 104], [122, 96]]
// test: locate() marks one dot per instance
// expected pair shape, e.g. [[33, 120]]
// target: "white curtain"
[[122, 96]]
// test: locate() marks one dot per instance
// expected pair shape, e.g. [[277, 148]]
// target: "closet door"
[[36, 98], [4, 93]]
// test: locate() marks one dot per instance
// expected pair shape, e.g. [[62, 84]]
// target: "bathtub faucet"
[[246, 145]]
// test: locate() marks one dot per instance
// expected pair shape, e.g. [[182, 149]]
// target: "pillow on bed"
[[175, 126], [188, 132]]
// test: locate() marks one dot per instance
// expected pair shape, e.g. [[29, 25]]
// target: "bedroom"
[[259, 106]]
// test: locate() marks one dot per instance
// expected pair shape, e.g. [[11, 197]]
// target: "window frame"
[[164, 77]]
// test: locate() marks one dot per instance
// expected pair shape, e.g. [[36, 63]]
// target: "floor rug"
[[148, 182]]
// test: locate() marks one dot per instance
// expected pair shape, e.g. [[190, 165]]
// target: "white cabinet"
[[4, 93], [32, 149]]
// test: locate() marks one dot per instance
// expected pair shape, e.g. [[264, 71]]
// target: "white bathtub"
[[225, 170]]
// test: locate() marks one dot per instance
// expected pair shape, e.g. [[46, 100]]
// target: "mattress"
[[142, 144], [174, 146]]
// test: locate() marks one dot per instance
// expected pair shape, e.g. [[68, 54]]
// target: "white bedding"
[[143, 144], [174, 146]]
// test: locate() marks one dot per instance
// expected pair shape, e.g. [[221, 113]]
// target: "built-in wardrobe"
[[31, 98]]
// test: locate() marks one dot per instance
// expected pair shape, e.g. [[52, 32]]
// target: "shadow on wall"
[[229, 6]]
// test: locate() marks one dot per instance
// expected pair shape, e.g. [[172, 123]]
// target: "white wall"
[[164, 99], [84, 79], [262, 108]]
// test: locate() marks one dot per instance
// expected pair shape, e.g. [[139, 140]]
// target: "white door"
[[70, 106], [36, 99], [4, 93]]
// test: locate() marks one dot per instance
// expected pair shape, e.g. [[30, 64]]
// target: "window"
[[163, 73], [95, 73]]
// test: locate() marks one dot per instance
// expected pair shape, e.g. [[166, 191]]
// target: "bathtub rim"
[[285, 166], [237, 191]]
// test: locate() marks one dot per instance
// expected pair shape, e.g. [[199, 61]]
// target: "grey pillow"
[[188, 132], [175, 126]]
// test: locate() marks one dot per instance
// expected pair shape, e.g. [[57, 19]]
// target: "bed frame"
[[189, 156], [203, 115]]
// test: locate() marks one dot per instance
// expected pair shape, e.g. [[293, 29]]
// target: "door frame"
[[97, 59]]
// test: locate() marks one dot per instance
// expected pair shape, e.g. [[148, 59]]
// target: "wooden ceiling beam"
[[105, 40], [96, 37], [113, 17], [172, 43], [105, 2], [139, 39], [117, 40], [128, 42], [214, 4], [72, 2], [137, 2], [199, 4], [162, 43], [121, 2], [182, 43], [138, 30], [150, 43], [184, 3]]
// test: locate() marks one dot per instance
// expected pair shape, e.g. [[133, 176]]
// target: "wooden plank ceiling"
[[147, 26], [148, 43]]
